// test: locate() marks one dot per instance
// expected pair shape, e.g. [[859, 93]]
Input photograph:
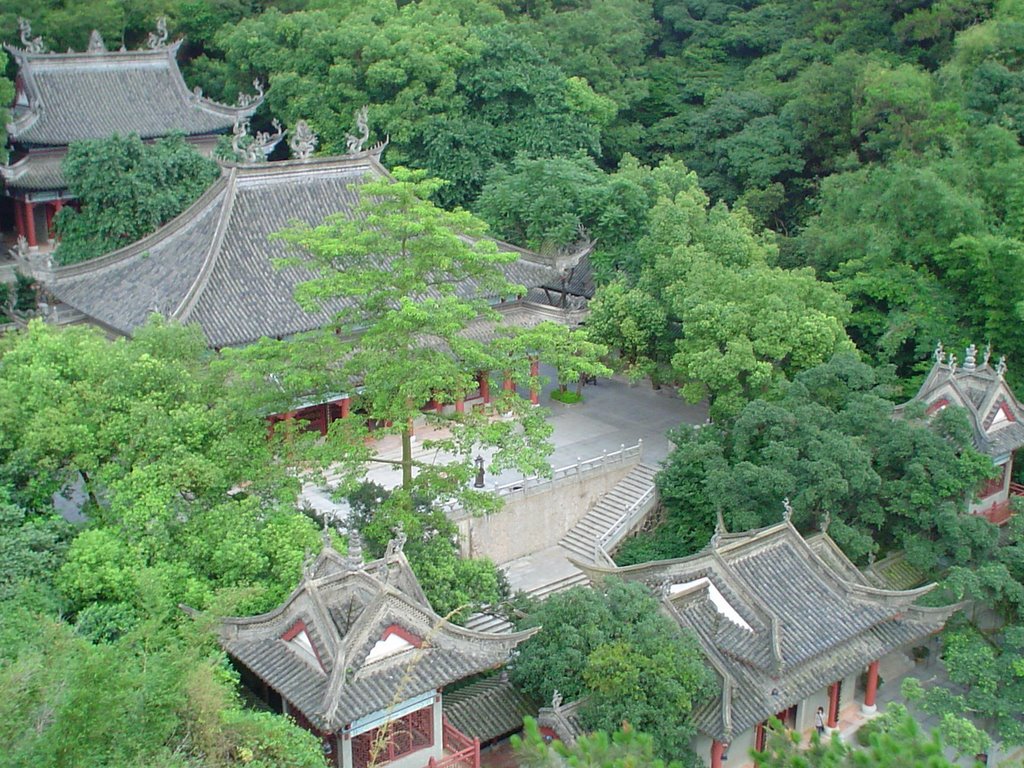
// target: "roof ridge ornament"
[[939, 353], [988, 354], [354, 560], [158, 39], [970, 358], [397, 544], [31, 44], [787, 511], [826, 518], [247, 99], [303, 140], [1001, 367], [952, 363], [96, 44], [254, 149], [716, 537], [355, 143]]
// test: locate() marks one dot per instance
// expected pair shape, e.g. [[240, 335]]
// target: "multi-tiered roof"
[[996, 416], [356, 638], [779, 618], [213, 265], [95, 94]]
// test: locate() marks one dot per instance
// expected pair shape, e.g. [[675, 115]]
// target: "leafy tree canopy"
[[612, 647], [126, 189]]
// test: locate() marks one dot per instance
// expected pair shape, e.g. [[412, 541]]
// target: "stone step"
[[561, 585], [488, 622]]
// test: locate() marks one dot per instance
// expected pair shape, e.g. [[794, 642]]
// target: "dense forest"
[[793, 201]]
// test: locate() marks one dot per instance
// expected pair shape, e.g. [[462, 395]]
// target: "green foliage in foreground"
[[126, 189], [612, 647], [902, 745], [157, 697], [625, 748]]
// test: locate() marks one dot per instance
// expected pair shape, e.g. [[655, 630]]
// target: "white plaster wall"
[[530, 523], [738, 754], [805, 712]]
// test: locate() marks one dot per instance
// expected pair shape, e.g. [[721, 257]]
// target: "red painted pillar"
[[871, 689], [507, 384], [485, 387], [460, 405], [534, 373], [438, 406], [19, 218], [30, 224], [344, 407], [833, 705], [717, 748]]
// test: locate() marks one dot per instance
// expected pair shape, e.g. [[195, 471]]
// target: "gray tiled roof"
[[37, 171], [74, 96], [487, 709], [223, 273], [345, 610], [979, 390], [808, 620]]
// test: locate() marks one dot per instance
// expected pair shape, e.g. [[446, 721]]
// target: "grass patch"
[[568, 396]]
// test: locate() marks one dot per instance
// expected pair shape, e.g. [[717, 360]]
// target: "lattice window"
[[397, 739]]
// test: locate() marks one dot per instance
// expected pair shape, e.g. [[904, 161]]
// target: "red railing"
[[463, 751]]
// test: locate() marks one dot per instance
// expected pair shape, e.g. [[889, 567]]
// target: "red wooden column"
[[871, 690], [19, 218], [717, 749], [833, 705], [485, 387], [344, 407], [460, 405], [507, 384], [534, 373], [30, 224]]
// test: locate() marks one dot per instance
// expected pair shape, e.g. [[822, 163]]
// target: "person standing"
[[819, 721]]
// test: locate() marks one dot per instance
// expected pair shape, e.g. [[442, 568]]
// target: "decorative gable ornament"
[[158, 39], [355, 144], [29, 43], [96, 44], [303, 141]]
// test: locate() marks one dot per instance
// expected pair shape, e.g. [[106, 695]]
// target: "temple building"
[[214, 265], [95, 94], [357, 655], [787, 624], [996, 417]]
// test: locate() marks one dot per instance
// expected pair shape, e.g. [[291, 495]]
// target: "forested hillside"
[[875, 142], [793, 201]]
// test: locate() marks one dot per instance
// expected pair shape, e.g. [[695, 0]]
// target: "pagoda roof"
[[777, 620], [213, 264], [996, 416], [35, 172], [370, 640], [96, 94]]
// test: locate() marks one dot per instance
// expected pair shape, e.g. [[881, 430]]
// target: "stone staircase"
[[614, 515]]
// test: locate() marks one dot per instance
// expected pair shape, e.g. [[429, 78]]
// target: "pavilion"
[[357, 656], [995, 414], [96, 94], [787, 624]]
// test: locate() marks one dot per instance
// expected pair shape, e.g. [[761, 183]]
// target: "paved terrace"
[[614, 413]]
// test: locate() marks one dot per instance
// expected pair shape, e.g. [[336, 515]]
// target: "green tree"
[[612, 647], [415, 277], [126, 189], [903, 744], [830, 444], [625, 748]]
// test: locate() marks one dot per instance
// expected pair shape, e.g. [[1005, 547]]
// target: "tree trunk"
[[407, 457]]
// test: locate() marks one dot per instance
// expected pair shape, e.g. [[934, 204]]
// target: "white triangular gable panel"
[[392, 645], [1001, 419], [301, 643]]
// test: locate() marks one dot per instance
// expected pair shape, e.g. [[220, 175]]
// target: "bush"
[[568, 397]]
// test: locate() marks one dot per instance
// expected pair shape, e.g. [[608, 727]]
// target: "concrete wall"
[[531, 522]]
